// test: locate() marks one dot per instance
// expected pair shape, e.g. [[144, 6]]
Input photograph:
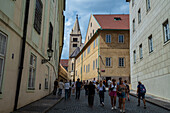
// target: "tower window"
[[75, 40], [74, 45], [117, 18]]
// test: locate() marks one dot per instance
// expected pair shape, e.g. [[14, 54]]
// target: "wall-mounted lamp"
[[50, 54]]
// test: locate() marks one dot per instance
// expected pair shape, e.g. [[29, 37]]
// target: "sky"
[[84, 8]]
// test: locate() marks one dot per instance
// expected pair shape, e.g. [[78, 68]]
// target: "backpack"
[[78, 84], [142, 89]]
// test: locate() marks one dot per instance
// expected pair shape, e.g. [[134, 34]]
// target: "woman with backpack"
[[128, 89], [141, 90], [113, 93], [101, 89]]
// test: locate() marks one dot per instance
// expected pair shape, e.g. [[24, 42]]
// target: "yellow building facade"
[[105, 54]]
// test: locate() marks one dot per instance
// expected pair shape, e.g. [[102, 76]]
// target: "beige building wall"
[[153, 70], [11, 26], [115, 50], [92, 28]]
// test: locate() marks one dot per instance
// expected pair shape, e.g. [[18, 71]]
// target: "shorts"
[[141, 95], [113, 93], [122, 95]]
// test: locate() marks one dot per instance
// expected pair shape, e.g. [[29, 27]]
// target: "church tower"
[[74, 47]]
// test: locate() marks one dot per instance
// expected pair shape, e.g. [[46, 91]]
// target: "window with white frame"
[[121, 62], [93, 64], [166, 31], [108, 38], [72, 66], [134, 56], [3, 41], [121, 38], [84, 53], [94, 44], [133, 25], [148, 5], [139, 15], [150, 41], [32, 72], [88, 50], [96, 63], [140, 51], [108, 61]]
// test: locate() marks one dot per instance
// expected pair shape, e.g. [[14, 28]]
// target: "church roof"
[[76, 27], [75, 53], [113, 21]]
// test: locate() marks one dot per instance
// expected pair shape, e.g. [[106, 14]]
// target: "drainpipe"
[[98, 54], [22, 54]]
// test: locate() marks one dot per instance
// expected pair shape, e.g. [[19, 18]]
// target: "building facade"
[[28, 28], [64, 63], [63, 74], [74, 47], [150, 45], [105, 54]]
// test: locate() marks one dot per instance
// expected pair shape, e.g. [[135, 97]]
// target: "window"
[[88, 37], [140, 51], [117, 18], [3, 41], [121, 62], [108, 61], [139, 16], [166, 31], [32, 72], [108, 38], [121, 38], [72, 66], [93, 64], [90, 34], [91, 24], [94, 44], [150, 44], [133, 25], [148, 5], [134, 56], [93, 31], [38, 16], [88, 67], [84, 68], [50, 36], [46, 79], [133, 2], [75, 40], [96, 63], [84, 53], [76, 72], [88, 50], [74, 45]]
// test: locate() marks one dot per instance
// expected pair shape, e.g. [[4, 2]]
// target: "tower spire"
[[76, 27]]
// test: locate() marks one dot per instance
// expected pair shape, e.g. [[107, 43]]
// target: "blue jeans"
[[101, 95], [66, 93], [59, 92]]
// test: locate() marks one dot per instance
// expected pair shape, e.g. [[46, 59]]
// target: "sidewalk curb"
[[152, 102], [45, 111]]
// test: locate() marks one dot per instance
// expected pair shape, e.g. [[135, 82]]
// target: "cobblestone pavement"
[[81, 106]]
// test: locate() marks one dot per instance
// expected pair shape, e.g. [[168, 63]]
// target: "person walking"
[[86, 88], [109, 82], [118, 95], [78, 87], [113, 93], [101, 89], [128, 89], [73, 86], [55, 87], [66, 86], [94, 81], [141, 90], [91, 93], [122, 95], [61, 86], [70, 83]]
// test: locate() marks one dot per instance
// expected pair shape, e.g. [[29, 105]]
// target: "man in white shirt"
[[66, 86], [61, 86]]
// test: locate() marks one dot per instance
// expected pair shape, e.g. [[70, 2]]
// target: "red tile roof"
[[109, 22], [64, 62]]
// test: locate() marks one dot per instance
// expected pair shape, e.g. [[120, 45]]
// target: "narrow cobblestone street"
[[81, 106]]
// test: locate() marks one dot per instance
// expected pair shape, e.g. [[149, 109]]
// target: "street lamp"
[[50, 54]]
